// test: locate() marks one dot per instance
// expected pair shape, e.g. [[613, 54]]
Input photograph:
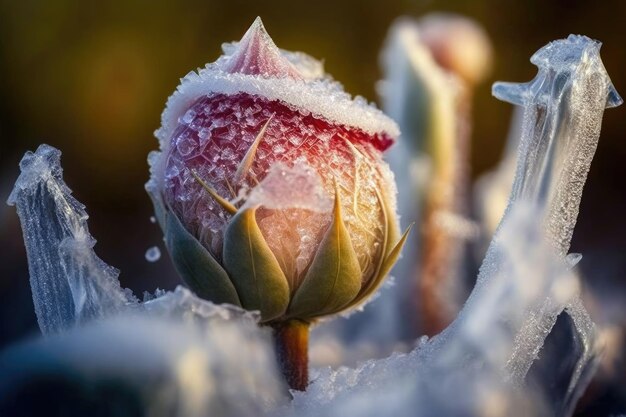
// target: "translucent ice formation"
[[562, 119], [70, 284]]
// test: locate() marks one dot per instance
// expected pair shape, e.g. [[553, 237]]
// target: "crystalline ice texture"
[[290, 139], [562, 119], [69, 282], [287, 187], [257, 67]]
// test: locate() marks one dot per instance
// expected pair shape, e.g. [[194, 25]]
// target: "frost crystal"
[[298, 187], [301, 83]]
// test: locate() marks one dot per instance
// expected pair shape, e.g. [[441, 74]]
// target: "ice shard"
[[70, 284]]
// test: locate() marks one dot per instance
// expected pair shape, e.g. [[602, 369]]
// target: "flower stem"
[[291, 340]]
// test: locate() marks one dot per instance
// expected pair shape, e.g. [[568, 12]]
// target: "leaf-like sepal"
[[334, 278], [253, 268], [385, 267], [199, 269], [394, 254]]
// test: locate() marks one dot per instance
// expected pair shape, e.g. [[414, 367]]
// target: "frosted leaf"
[[70, 284], [153, 254], [285, 187]]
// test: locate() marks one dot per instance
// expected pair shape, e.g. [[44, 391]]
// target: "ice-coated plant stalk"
[[431, 67], [526, 263], [563, 108], [272, 193]]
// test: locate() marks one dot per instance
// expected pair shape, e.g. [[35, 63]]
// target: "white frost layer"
[[287, 187], [70, 284], [320, 96]]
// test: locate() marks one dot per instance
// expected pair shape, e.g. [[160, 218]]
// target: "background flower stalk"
[[431, 67]]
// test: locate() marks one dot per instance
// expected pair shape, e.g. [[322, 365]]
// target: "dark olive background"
[[91, 78]]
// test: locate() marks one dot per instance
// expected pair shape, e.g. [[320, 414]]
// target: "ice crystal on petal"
[[285, 187]]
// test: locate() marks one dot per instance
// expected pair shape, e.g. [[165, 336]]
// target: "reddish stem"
[[291, 340]]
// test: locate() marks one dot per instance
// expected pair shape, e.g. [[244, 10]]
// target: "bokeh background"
[[91, 78]]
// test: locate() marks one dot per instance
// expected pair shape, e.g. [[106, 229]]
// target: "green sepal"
[[385, 267], [334, 278], [253, 268], [198, 268], [394, 254], [390, 235]]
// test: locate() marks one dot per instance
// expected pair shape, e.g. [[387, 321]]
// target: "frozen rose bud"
[[270, 185]]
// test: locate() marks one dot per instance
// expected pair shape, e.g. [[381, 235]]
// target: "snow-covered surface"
[[174, 355]]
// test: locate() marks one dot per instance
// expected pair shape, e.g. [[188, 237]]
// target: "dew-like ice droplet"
[[153, 254]]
